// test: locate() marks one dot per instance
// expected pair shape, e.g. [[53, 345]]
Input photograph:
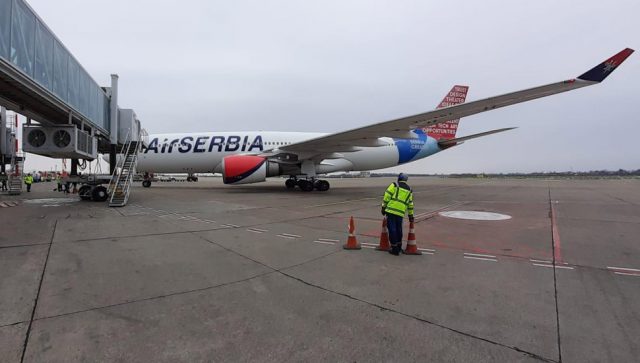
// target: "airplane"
[[251, 157]]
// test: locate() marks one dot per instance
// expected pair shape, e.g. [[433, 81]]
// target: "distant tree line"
[[548, 174]]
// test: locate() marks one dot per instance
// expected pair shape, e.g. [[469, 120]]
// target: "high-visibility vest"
[[28, 179], [398, 199]]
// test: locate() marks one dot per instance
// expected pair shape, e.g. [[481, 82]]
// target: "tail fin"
[[447, 130]]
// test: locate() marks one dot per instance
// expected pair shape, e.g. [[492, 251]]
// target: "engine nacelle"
[[245, 169]]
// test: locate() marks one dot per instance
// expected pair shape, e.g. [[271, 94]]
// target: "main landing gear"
[[308, 185]]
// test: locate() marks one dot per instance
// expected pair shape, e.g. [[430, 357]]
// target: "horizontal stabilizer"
[[453, 142]]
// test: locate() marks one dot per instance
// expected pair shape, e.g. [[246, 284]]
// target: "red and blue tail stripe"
[[604, 69]]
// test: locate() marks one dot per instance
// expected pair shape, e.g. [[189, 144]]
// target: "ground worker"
[[59, 182], [3, 181], [397, 200], [28, 180]]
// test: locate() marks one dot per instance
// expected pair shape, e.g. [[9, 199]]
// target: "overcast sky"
[[327, 66]]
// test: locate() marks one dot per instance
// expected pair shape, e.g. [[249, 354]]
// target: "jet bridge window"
[[23, 28], [60, 58], [44, 56], [5, 30]]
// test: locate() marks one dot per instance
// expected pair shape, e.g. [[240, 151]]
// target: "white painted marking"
[[230, 225], [479, 216], [258, 229], [623, 268], [371, 247], [325, 242], [328, 240], [291, 235], [481, 258], [626, 274], [370, 244], [424, 214], [564, 267], [208, 220], [253, 231], [539, 261], [427, 250], [52, 200], [479, 255], [287, 237], [343, 202], [3, 205]]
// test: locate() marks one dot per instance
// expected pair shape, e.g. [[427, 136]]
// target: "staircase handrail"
[[132, 172], [119, 165]]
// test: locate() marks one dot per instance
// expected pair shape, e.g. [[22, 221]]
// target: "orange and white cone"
[[412, 247], [352, 242], [384, 237]]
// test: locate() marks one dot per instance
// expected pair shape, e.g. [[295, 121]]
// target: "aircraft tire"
[[322, 185], [146, 183], [305, 185], [290, 183]]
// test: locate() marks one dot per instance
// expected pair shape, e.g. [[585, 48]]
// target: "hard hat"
[[403, 177]]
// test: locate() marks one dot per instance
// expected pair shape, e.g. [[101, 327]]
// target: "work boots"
[[395, 250]]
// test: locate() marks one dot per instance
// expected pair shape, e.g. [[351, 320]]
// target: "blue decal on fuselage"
[[409, 148]]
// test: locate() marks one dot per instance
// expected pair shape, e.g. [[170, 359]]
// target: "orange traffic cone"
[[352, 242], [384, 237], [412, 247]]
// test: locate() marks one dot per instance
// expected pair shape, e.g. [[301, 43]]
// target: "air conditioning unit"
[[59, 142]]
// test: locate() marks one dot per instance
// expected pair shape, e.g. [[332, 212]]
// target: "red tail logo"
[[447, 130]]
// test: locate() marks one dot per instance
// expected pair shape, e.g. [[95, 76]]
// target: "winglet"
[[602, 70]]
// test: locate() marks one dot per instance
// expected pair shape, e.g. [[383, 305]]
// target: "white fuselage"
[[203, 152]]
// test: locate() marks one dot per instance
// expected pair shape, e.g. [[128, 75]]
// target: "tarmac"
[[208, 272]]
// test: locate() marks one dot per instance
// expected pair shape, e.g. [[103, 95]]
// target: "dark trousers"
[[394, 225], [28, 187]]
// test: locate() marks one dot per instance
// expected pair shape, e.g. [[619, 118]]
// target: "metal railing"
[[119, 194], [115, 177]]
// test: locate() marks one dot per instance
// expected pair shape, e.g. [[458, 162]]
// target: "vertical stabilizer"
[[447, 130]]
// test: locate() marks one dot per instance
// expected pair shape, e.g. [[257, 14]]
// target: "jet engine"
[[245, 169]]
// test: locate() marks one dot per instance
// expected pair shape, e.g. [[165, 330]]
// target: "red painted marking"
[[557, 251], [620, 57], [236, 165]]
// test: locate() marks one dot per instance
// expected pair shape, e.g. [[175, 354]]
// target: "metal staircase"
[[120, 184], [16, 175]]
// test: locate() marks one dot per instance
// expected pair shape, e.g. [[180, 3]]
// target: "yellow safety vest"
[[28, 179], [398, 200]]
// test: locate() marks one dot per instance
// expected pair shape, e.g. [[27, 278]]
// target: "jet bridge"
[[68, 114]]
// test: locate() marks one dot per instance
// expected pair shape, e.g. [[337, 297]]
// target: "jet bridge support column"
[[113, 136], [3, 138], [74, 167]]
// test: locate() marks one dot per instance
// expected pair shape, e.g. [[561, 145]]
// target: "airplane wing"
[[350, 140]]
